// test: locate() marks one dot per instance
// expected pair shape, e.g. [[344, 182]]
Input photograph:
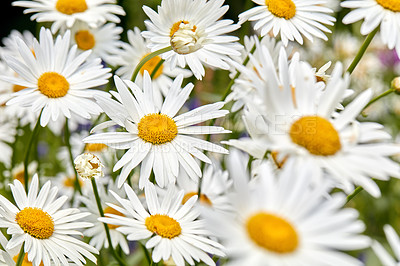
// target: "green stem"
[[353, 194], [147, 58], [362, 50], [389, 91], [156, 68], [21, 256], [146, 254], [100, 208], [67, 134], [28, 151]]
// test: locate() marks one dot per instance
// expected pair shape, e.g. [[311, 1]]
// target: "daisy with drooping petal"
[[375, 13], [158, 139], [299, 119], [103, 40], [130, 56], [282, 219], [57, 80], [394, 242], [97, 233], [193, 29], [291, 18], [64, 13], [47, 231], [173, 230]]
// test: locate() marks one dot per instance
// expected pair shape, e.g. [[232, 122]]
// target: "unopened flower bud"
[[89, 166], [396, 85]]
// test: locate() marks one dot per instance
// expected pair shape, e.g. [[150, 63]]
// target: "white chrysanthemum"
[[173, 230], [394, 241], [375, 13], [130, 56], [104, 41], [64, 13], [193, 29], [11, 41], [281, 219], [215, 185], [299, 119], [97, 233], [290, 18], [88, 166], [158, 139], [47, 231], [7, 136], [57, 80]]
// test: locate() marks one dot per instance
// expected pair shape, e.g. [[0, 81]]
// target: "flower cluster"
[[194, 139]]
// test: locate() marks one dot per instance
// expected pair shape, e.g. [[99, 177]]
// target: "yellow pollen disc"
[[25, 262], [175, 27], [316, 134], [281, 8], [163, 225], [17, 88], [20, 176], [203, 198], [35, 222], [151, 65], [393, 5], [112, 211], [157, 129], [70, 7], [272, 233], [95, 147], [53, 85], [70, 182], [85, 40]]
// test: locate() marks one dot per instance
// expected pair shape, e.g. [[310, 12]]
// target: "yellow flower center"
[[95, 147], [20, 176], [157, 129], [25, 262], [53, 85], [393, 5], [316, 134], [150, 65], [281, 8], [70, 7], [35, 222], [17, 88], [85, 40], [272, 233], [112, 211], [163, 225], [70, 181], [203, 198]]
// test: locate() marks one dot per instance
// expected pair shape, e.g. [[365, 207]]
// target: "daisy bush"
[[200, 132]]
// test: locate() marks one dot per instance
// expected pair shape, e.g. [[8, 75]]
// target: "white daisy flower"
[[88, 166], [47, 231], [394, 241], [299, 119], [130, 56], [173, 230], [104, 41], [57, 79], [215, 185], [7, 137], [64, 13], [97, 232], [383, 13], [290, 18], [193, 29], [280, 219], [158, 139], [66, 181], [11, 41]]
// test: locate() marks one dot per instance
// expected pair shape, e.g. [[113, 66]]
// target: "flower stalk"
[[21, 256]]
